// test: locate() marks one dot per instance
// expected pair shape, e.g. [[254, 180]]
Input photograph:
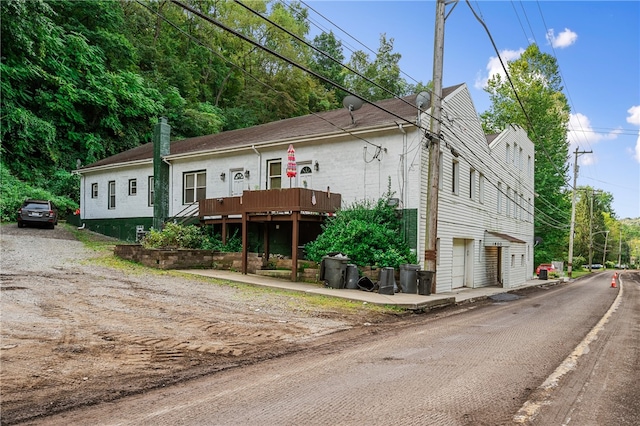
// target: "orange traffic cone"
[[613, 282]]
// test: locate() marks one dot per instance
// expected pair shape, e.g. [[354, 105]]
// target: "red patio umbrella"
[[291, 165]]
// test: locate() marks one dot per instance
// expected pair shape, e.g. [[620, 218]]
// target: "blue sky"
[[596, 44]]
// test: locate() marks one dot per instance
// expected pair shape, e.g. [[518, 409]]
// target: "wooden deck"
[[291, 205]]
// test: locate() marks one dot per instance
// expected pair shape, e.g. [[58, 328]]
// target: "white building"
[[485, 213]]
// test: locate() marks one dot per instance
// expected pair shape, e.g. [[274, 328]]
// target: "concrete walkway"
[[400, 300]]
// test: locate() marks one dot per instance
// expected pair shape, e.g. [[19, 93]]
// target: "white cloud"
[[634, 115], [634, 118], [582, 135], [494, 66], [565, 39]]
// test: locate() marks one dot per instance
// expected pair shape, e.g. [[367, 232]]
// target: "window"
[[472, 184], [455, 179], [522, 260], [151, 192], [520, 206], [499, 203], [195, 186], [508, 157], [133, 186], [508, 201], [515, 154], [94, 190], [274, 179], [513, 260], [529, 165], [112, 194], [481, 189], [520, 155], [529, 208]]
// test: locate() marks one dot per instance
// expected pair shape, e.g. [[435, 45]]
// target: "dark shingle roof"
[[308, 125]]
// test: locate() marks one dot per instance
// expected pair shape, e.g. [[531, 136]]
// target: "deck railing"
[[272, 200]]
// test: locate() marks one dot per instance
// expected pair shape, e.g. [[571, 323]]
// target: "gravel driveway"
[[81, 327]]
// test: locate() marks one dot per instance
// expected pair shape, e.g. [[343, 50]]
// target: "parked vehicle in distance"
[[593, 266], [38, 212], [548, 266]]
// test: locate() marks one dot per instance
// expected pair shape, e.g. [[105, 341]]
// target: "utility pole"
[[573, 211], [620, 248], [433, 184], [604, 254]]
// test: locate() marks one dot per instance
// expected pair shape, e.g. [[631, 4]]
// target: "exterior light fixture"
[[222, 176], [316, 166], [247, 174]]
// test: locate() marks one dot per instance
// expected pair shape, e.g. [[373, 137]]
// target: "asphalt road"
[[478, 365], [601, 386]]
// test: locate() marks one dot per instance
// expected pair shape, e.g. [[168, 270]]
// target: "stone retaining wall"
[[191, 258]]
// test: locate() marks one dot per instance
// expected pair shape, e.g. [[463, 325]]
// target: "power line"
[[515, 92]]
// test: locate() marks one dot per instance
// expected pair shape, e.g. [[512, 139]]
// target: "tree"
[[329, 67], [545, 117], [379, 79]]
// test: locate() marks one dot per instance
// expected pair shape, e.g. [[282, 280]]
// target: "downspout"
[[259, 164], [405, 165], [405, 177]]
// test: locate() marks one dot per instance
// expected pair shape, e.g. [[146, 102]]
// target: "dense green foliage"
[[368, 234], [13, 192], [83, 80], [176, 236]]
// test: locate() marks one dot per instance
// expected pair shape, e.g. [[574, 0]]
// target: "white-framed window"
[[508, 201], [529, 209], [111, 194], [508, 154], [515, 154], [499, 201], [151, 191], [133, 186], [194, 186], [94, 190], [481, 189], [455, 177], [472, 184], [528, 165], [274, 169], [520, 156]]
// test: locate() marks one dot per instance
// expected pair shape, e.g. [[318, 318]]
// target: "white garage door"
[[457, 274]]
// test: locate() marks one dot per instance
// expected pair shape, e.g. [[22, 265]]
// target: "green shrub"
[[175, 236], [368, 234]]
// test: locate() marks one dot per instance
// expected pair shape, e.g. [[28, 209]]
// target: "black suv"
[[41, 212]]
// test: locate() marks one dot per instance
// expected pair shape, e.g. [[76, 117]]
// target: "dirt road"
[[79, 328]]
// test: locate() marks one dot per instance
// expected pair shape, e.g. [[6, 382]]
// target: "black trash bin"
[[334, 271], [409, 278], [386, 281], [424, 282], [352, 276], [544, 274]]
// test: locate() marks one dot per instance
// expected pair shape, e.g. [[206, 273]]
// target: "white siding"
[[366, 167]]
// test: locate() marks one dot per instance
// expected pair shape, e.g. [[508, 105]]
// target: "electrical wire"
[[515, 92]]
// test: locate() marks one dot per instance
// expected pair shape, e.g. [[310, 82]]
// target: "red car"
[[548, 266]]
